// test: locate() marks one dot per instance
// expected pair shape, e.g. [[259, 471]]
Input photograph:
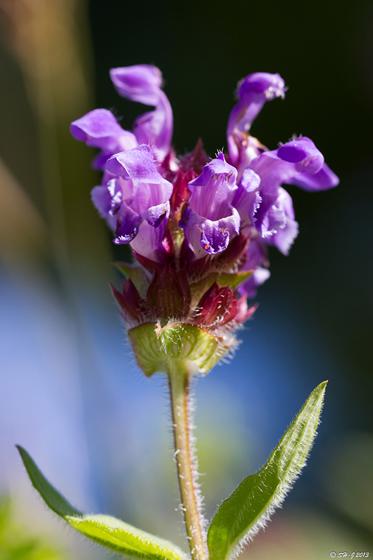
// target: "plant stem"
[[179, 381]]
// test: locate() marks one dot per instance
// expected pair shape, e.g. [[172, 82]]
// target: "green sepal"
[[230, 280], [233, 280], [103, 529], [134, 273], [157, 347], [250, 506]]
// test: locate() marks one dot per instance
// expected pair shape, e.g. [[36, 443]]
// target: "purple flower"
[[135, 201], [279, 227], [247, 197], [256, 262], [297, 162], [211, 221], [252, 92], [186, 220], [142, 83], [100, 129]]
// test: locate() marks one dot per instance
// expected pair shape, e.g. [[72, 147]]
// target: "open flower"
[[135, 200], [100, 129], [199, 229], [211, 221], [143, 83], [252, 93]]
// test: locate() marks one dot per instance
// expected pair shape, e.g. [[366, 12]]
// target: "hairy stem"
[[179, 381]]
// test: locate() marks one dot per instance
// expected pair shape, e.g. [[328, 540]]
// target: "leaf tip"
[[23, 454]]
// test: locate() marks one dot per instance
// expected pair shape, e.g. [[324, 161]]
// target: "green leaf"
[[250, 506], [103, 529]]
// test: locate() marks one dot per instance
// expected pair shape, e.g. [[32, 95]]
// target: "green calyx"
[[158, 348]]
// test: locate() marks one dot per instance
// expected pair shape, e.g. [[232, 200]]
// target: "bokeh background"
[[70, 391]]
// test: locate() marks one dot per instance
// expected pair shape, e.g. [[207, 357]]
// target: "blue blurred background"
[[70, 390]]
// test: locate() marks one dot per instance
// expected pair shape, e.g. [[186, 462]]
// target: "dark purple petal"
[[303, 153], [209, 236], [127, 225]]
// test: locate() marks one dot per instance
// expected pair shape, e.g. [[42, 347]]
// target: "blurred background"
[[70, 391]]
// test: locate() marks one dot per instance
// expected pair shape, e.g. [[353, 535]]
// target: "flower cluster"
[[198, 228]]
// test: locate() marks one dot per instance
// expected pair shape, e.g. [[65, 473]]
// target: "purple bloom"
[[187, 220], [211, 221], [279, 227], [100, 129], [142, 83], [252, 93], [256, 262], [247, 197], [297, 162], [135, 200]]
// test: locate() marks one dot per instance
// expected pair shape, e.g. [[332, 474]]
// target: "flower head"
[[199, 228]]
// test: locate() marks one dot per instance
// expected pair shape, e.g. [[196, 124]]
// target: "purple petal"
[[135, 165], [140, 82], [213, 190], [100, 129], [322, 180], [102, 200], [303, 153], [148, 241], [209, 236], [247, 198], [155, 127], [215, 172], [127, 225], [257, 262], [155, 214], [279, 227], [298, 162], [252, 93]]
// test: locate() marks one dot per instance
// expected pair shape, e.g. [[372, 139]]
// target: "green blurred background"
[[70, 391]]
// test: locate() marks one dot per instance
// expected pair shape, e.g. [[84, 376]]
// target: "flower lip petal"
[[324, 179], [155, 214], [98, 128], [216, 234], [136, 165], [140, 82], [216, 171], [303, 153], [262, 83], [292, 153], [127, 227]]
